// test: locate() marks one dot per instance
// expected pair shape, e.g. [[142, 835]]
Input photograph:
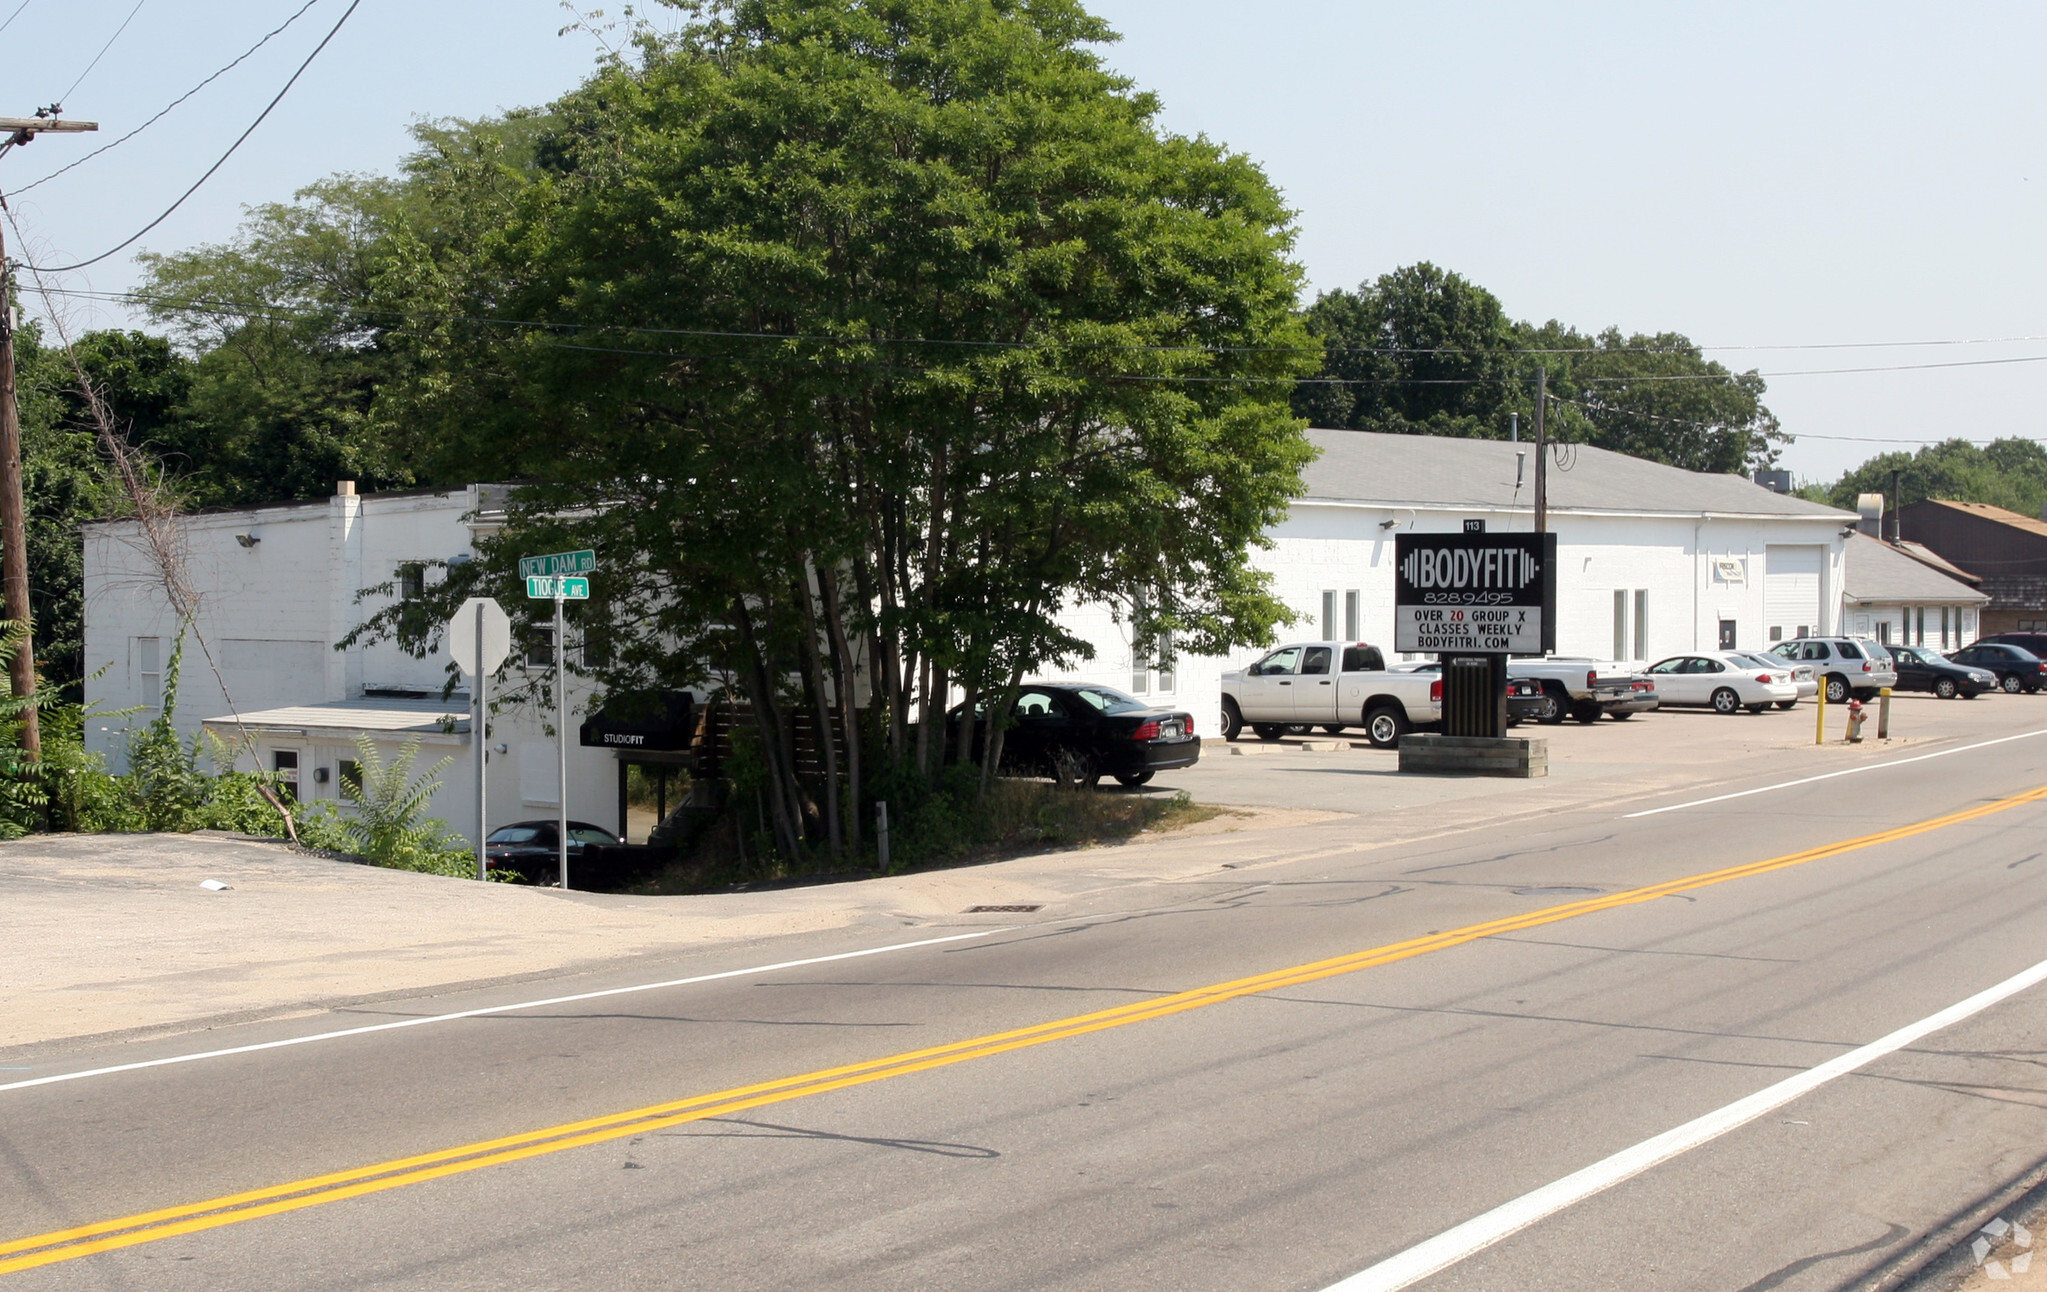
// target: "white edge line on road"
[[1480, 1232], [1846, 771], [494, 1009]]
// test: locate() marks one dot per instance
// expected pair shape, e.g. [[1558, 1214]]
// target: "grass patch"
[[946, 828]]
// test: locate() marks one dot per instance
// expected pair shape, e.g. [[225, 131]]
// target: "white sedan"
[[1724, 681], [1802, 675]]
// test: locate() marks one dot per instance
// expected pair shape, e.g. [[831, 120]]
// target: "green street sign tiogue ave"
[[543, 586], [557, 563]]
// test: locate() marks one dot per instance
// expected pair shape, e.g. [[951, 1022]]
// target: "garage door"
[[1791, 590]]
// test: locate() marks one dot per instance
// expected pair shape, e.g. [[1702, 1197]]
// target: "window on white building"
[[540, 648], [1329, 615], [1353, 615], [411, 581], [1641, 624], [1620, 623], [149, 670], [1166, 662]]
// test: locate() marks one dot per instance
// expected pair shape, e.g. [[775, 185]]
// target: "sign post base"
[[1516, 757]]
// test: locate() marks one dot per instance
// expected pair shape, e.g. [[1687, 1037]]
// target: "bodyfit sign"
[[1490, 593]]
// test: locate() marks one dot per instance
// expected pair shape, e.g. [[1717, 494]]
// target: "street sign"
[[557, 563], [544, 586], [496, 633], [1487, 593]]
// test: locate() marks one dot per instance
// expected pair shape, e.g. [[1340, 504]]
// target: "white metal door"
[[1791, 590]]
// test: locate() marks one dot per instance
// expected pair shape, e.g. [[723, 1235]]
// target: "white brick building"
[[278, 589]]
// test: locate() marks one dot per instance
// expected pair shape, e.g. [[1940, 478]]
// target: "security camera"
[[1389, 522], [247, 540]]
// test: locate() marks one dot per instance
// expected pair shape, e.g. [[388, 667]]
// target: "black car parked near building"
[[528, 848], [1079, 732], [1920, 669], [2017, 669], [2034, 642]]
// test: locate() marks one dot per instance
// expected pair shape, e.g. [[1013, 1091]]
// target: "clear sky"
[[1755, 175]]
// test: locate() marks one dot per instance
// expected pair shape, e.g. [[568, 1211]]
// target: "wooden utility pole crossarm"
[[14, 603], [40, 125]]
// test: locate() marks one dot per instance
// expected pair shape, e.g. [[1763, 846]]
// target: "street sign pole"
[[480, 639], [558, 575], [479, 732], [561, 733]]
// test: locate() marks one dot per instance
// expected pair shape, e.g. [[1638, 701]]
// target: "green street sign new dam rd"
[[557, 563], [542, 587]]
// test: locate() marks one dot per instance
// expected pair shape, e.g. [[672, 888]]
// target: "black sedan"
[[1078, 732], [530, 849], [2017, 669], [1920, 669]]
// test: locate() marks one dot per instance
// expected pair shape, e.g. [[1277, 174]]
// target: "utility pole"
[[13, 510], [1541, 452]]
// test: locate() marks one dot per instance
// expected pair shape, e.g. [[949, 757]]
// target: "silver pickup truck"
[[1332, 685]]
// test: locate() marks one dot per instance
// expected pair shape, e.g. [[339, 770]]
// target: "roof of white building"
[[404, 717], [1875, 573], [1437, 471]]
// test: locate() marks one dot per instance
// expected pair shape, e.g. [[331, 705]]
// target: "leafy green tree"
[[2009, 473], [876, 333], [1423, 351], [316, 330], [1420, 351], [1656, 397]]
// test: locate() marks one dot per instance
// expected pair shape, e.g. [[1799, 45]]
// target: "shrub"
[[391, 827]]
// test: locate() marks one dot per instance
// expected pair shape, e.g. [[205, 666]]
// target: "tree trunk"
[[923, 695], [998, 731], [849, 711], [821, 702], [783, 796]]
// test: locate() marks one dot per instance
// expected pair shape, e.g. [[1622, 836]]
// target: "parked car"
[[1920, 669], [1332, 685], [1079, 732], [1802, 675], [2017, 668], [1846, 666], [1724, 681], [2034, 642], [1642, 697], [1527, 700], [1583, 688], [529, 849]]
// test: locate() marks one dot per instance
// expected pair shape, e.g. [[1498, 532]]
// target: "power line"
[[16, 14], [103, 49], [139, 234], [172, 104], [265, 310]]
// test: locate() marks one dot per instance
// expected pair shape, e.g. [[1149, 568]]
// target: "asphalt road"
[[923, 1117]]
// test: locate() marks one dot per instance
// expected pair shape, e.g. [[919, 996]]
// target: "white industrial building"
[[1654, 561]]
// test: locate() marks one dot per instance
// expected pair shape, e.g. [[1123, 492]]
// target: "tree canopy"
[[2009, 473], [864, 338], [1424, 351]]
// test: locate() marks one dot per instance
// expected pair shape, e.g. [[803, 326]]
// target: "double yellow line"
[[195, 1217]]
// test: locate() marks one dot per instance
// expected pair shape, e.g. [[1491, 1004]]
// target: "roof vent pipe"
[[1870, 506], [344, 488]]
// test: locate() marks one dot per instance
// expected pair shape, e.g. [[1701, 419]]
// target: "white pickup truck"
[[1331, 685]]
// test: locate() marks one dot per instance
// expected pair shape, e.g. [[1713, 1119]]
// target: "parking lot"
[[1649, 754]]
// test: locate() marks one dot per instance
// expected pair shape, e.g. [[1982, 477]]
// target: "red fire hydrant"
[[1855, 720]]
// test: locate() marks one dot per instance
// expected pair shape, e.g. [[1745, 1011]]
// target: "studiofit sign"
[[1491, 593]]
